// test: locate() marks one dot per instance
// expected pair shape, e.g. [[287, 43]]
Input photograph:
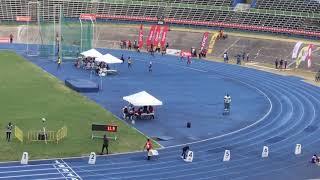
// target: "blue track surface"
[[267, 109]]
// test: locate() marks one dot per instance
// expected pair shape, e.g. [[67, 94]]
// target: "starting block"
[[227, 155], [92, 158], [265, 152], [189, 157], [24, 158]]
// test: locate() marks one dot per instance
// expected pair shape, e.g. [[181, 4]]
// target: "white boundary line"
[[71, 169]]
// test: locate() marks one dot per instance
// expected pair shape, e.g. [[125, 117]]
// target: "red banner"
[[151, 34], [157, 35], [164, 35], [204, 41], [140, 41], [88, 17], [23, 18], [309, 55]]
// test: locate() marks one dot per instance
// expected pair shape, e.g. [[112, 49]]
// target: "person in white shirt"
[[227, 101]]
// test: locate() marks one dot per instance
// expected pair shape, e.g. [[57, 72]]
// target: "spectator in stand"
[[238, 59], [124, 44], [129, 44], [247, 57], [225, 57], [167, 45], [285, 64], [135, 44], [11, 38], [276, 63], [317, 77], [164, 51], [121, 44], [281, 64], [243, 56]]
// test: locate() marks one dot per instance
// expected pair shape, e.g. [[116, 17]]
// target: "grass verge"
[[28, 94]]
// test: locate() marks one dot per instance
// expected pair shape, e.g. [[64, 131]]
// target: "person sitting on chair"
[[184, 152], [315, 159], [126, 112]]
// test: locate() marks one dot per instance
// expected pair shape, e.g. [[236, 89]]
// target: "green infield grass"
[[28, 94]]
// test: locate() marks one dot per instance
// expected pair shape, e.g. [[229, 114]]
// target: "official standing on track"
[[8, 131], [59, 62], [150, 66], [105, 144]]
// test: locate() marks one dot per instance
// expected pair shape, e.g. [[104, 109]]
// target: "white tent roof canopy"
[[91, 53], [109, 59], [142, 99]]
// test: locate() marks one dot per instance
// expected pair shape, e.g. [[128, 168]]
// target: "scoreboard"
[[104, 127]]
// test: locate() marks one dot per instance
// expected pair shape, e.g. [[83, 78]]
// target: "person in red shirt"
[[148, 146]]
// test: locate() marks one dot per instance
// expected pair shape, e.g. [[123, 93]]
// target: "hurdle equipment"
[[92, 158], [61, 134], [24, 158], [18, 133], [227, 155], [265, 152], [189, 157], [297, 150]]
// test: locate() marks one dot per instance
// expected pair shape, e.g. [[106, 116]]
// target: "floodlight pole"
[[38, 15], [81, 49], [54, 28]]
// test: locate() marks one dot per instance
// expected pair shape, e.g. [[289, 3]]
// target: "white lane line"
[[27, 165], [28, 175], [70, 168]]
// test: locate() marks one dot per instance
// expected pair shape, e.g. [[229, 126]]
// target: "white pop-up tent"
[[109, 59], [91, 53], [142, 99]]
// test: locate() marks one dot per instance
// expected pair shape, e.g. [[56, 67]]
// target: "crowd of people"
[[90, 64], [132, 112], [281, 64]]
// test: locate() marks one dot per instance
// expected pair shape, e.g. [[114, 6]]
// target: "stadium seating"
[[290, 5], [267, 14]]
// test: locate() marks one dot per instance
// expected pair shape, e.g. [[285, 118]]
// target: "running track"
[[293, 118]]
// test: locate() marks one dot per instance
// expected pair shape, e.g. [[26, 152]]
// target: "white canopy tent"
[[91, 53], [109, 59], [142, 99]]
